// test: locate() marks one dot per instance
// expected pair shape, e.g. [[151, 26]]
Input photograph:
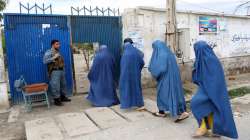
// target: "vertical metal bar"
[[69, 18], [90, 11], [84, 10], [28, 8], [36, 7], [108, 11], [43, 9], [78, 11], [96, 10], [20, 7], [47, 99], [50, 9], [102, 11]]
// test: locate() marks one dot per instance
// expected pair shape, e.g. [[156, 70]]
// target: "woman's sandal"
[[200, 133], [157, 114], [182, 117], [141, 109], [211, 134]]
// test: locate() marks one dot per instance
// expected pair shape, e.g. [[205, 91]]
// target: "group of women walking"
[[210, 105]]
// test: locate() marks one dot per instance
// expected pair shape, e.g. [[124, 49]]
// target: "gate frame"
[[16, 97]]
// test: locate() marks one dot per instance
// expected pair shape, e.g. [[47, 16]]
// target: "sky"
[[63, 6]]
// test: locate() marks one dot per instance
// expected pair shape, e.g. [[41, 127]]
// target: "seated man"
[[102, 91]]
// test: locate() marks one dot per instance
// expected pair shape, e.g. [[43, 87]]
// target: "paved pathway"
[[115, 124]]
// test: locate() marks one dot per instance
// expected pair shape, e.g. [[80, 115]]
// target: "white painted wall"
[[144, 25], [2, 77], [234, 41], [4, 101]]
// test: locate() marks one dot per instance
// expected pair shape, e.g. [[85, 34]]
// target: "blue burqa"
[[102, 91], [212, 96], [164, 69], [130, 77]]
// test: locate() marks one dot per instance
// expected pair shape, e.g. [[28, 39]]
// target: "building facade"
[[228, 34]]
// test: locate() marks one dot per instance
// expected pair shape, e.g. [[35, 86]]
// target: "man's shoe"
[[65, 99], [58, 102]]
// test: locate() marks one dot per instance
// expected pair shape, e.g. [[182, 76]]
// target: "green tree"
[[3, 4], [3, 41]]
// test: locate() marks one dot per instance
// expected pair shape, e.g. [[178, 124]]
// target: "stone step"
[[125, 125], [43, 129], [105, 117], [132, 115], [148, 129], [76, 124]]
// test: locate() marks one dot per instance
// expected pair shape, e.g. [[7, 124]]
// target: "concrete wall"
[[144, 25], [4, 101], [236, 65], [232, 66], [232, 40], [2, 70]]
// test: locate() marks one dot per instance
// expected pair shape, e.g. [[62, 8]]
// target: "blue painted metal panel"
[[103, 29], [27, 39]]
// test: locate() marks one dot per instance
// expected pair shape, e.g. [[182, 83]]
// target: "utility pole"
[[171, 31]]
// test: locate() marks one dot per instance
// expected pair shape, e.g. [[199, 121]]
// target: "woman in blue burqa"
[[210, 105], [170, 94], [130, 77], [102, 91]]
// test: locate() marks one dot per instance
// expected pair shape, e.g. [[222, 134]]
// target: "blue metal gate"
[[27, 39], [102, 29]]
